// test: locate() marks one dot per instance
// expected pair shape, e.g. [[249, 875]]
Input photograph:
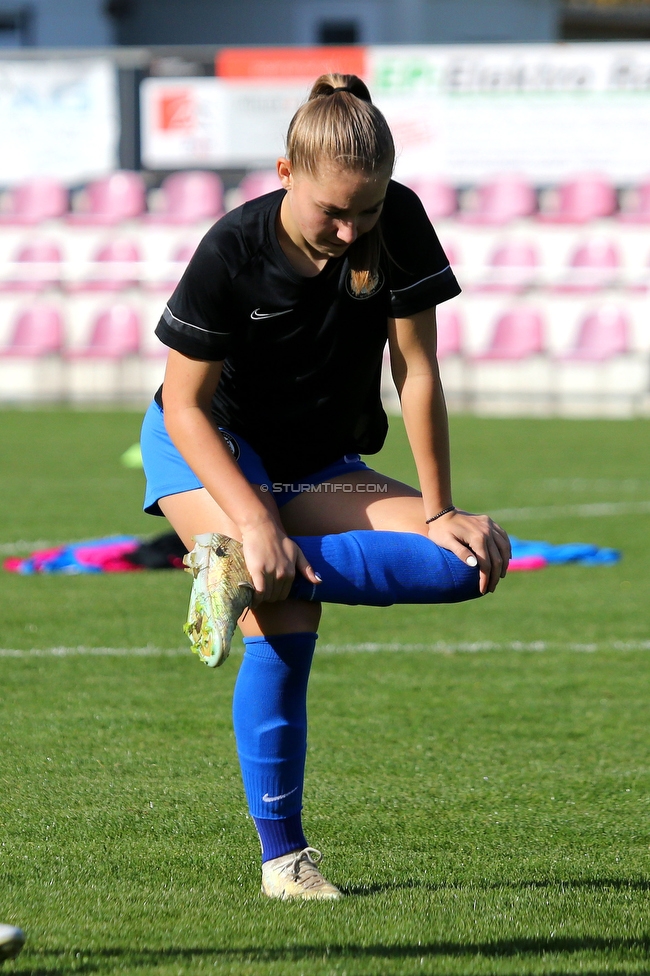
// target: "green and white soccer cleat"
[[221, 591], [297, 876], [12, 940]]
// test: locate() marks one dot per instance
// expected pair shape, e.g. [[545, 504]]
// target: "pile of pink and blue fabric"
[[114, 554], [527, 555], [126, 554]]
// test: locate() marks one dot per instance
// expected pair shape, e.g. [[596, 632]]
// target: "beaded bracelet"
[[445, 511]]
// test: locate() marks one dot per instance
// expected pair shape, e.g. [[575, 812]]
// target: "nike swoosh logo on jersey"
[[271, 799], [258, 314]]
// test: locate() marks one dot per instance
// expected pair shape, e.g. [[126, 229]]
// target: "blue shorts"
[[168, 474]]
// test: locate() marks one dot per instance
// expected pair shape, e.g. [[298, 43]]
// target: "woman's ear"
[[284, 172]]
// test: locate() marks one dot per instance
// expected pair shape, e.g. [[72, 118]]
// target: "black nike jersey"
[[302, 355]]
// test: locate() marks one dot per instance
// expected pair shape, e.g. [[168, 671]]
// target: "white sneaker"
[[296, 876], [221, 591], [12, 940]]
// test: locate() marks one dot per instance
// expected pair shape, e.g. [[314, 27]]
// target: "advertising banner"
[[58, 118], [545, 111], [215, 123], [463, 113]]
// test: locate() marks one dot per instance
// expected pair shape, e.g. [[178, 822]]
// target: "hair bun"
[[329, 84]]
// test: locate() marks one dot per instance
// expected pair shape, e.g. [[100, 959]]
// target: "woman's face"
[[330, 210]]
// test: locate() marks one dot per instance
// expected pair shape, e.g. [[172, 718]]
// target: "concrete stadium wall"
[[86, 23], [299, 21], [477, 21], [59, 23]]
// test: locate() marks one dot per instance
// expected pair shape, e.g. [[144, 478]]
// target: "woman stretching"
[[252, 446]]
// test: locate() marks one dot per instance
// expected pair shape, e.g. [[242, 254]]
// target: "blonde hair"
[[339, 124]]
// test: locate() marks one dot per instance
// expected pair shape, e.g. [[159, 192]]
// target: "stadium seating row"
[[190, 196], [562, 329], [552, 259], [547, 291], [587, 197], [520, 262], [183, 198], [118, 358], [509, 358], [521, 368], [523, 257], [76, 262], [473, 327], [496, 242]]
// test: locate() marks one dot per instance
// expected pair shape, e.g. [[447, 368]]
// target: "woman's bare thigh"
[[195, 512], [358, 500]]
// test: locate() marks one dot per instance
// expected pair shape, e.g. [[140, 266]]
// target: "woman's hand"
[[272, 560], [474, 536]]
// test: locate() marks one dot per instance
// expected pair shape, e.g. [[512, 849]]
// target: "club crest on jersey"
[[377, 285], [231, 442]]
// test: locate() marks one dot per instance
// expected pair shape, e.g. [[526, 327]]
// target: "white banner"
[[58, 118], [545, 111]]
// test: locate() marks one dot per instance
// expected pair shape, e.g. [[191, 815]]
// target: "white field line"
[[589, 510], [463, 647], [477, 647], [83, 651]]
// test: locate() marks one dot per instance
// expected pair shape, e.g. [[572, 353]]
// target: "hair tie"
[[342, 88]]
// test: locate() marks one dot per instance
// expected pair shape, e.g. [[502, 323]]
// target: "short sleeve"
[[419, 273], [198, 318]]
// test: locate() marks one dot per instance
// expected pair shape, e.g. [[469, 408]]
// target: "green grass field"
[[487, 812]]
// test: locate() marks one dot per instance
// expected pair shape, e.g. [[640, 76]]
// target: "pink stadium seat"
[[184, 252], [449, 332], [38, 331], [115, 334], [501, 200], [639, 211], [41, 259], [513, 267], [438, 198], [36, 200], [257, 184], [120, 196], [603, 334], [116, 267], [518, 334], [594, 265], [451, 250], [189, 197], [587, 197], [171, 272]]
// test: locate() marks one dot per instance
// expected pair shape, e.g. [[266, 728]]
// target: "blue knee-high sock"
[[377, 569], [270, 721]]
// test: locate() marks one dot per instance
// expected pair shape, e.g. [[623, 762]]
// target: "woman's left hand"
[[474, 536]]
